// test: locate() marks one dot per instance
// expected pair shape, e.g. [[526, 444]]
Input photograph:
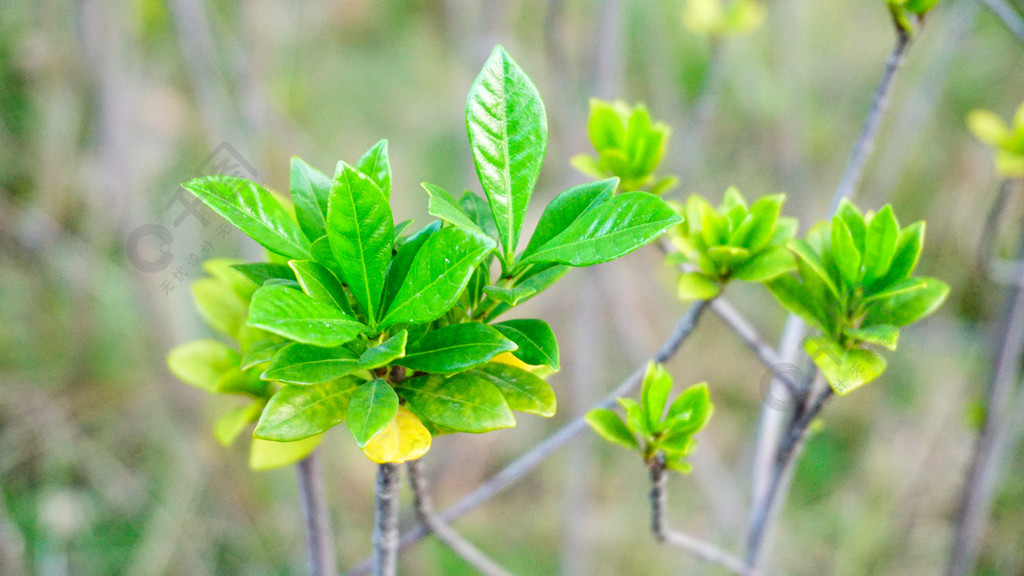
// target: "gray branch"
[[1010, 18], [319, 540], [385, 530]]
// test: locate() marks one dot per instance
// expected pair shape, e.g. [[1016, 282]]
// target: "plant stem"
[[996, 434], [319, 541], [522, 465], [790, 445], [866, 141], [385, 531], [659, 524], [1010, 18], [451, 538]]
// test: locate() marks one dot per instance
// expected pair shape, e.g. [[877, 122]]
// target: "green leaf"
[[480, 212], [535, 339], [455, 348], [613, 229], [845, 251], [908, 251], [610, 426], [220, 306], [880, 244], [444, 206], [654, 394], [510, 296], [384, 353], [232, 423], [910, 306], [267, 455], [567, 208], [304, 364], [854, 221], [310, 190], [795, 298], [765, 265], [362, 234], [321, 284], [260, 272], [635, 417], [261, 351], [807, 254], [908, 285], [324, 255], [697, 286], [253, 210], [758, 226], [248, 383], [881, 334], [201, 363], [400, 229], [676, 443], [690, 411], [523, 391], [604, 125], [464, 402], [845, 370], [988, 127], [297, 412], [223, 269], [374, 163], [401, 262], [508, 132], [290, 313], [370, 409], [437, 276]]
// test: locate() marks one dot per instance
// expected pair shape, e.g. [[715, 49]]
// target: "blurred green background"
[[107, 463]]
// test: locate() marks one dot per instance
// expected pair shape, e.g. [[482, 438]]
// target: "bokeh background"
[[108, 464]]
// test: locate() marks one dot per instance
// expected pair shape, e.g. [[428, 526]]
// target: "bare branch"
[[1011, 19], [768, 356], [522, 465], [451, 538], [659, 525], [319, 540], [385, 531]]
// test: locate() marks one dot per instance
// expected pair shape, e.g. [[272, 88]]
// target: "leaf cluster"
[[719, 19], [395, 333], [649, 428], [1006, 139], [629, 147], [854, 282], [909, 14], [733, 242]]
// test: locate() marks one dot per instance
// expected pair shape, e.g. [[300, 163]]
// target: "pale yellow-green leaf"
[[267, 455], [404, 438]]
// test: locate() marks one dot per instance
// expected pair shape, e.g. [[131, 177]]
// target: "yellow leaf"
[[404, 438], [511, 360], [267, 455]]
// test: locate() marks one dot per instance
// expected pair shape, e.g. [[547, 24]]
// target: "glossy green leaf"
[[464, 402], [323, 255], [444, 206], [792, 295], [610, 426], [384, 353], [908, 251], [510, 296], [880, 244], [690, 411], [310, 190], [765, 265], [908, 285], [455, 348], [508, 132], [854, 221], [400, 229], [260, 272], [535, 339], [321, 284], [697, 286], [812, 260], [267, 455], [253, 210], [232, 423], [654, 392], [606, 232], [362, 234], [635, 417], [290, 313], [262, 351], [201, 363], [370, 409], [756, 229], [845, 252], [480, 212], [845, 370], [567, 208], [297, 412], [910, 306], [401, 262], [220, 306], [437, 276], [374, 163], [885, 335], [304, 364], [523, 391]]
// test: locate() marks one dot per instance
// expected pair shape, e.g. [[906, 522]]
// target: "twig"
[[319, 541], [1011, 19], [385, 530], [768, 356], [659, 525], [790, 445], [866, 141], [522, 465], [991, 448], [451, 538]]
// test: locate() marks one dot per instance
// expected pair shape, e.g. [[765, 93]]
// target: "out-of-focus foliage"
[[721, 18], [1006, 140]]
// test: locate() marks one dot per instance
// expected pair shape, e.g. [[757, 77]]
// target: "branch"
[[768, 356], [522, 465], [385, 531], [659, 525], [1011, 19], [992, 446], [866, 141], [319, 541], [451, 538]]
